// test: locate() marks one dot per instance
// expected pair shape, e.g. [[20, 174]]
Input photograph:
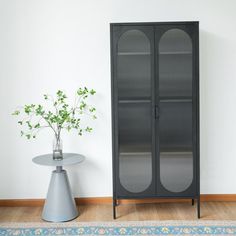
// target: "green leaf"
[[65, 106], [82, 105], [92, 92], [39, 110], [29, 124], [28, 136], [80, 92], [92, 109], [20, 122], [80, 132], [37, 126], [59, 93], [88, 129], [27, 109], [16, 113]]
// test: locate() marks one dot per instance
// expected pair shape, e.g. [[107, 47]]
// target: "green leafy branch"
[[63, 116]]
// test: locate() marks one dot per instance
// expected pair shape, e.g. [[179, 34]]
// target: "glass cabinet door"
[[134, 111], [175, 105]]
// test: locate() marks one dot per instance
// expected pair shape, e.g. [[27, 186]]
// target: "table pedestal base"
[[60, 205]]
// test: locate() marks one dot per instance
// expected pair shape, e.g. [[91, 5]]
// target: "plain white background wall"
[[53, 44]]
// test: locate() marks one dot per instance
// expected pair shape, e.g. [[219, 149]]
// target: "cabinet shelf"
[[134, 53], [148, 53], [129, 101], [168, 100], [176, 53], [176, 100], [176, 152]]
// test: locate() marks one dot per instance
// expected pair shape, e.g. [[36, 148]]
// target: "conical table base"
[[60, 205]]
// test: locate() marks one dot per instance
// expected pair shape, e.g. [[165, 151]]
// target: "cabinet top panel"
[[156, 23]]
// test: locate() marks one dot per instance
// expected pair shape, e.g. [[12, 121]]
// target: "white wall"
[[51, 44]]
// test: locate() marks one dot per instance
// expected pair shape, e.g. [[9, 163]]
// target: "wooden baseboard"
[[21, 202], [218, 197], [93, 200], [40, 202], [108, 200]]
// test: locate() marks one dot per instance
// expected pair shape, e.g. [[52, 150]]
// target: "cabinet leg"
[[192, 202], [198, 208], [114, 209]]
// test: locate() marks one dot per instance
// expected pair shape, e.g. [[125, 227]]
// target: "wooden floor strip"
[[130, 212]]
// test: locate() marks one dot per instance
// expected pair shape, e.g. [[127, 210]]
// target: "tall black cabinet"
[[155, 110]]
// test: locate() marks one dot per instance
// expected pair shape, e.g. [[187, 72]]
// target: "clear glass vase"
[[57, 148]]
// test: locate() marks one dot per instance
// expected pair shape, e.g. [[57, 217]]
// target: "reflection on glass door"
[[134, 110], [175, 102]]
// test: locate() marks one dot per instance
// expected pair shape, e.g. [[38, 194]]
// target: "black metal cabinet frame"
[[154, 32]]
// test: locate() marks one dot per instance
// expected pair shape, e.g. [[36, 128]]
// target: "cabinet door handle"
[[157, 113]]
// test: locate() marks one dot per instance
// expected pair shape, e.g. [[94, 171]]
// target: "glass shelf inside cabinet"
[[135, 101], [175, 53], [134, 53], [176, 99]]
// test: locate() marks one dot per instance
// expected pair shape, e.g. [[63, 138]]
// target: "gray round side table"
[[59, 205]]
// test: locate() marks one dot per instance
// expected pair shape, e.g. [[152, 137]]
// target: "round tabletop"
[[68, 159]]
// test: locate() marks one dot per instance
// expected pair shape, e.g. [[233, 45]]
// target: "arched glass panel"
[[134, 110], [175, 122]]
